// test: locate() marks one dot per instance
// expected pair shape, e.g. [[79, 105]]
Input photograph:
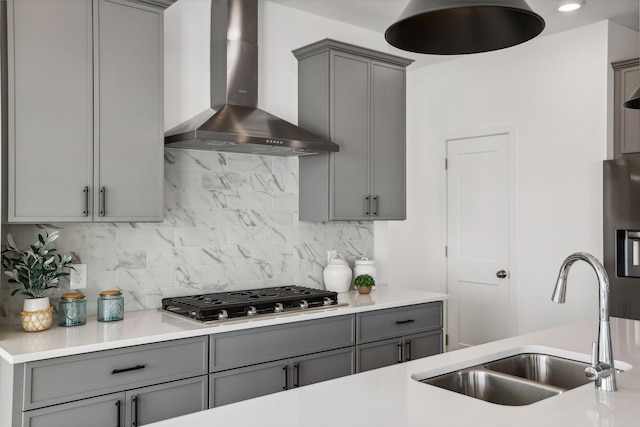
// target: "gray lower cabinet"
[[104, 410], [84, 110], [131, 386], [356, 98], [261, 361], [266, 378], [133, 408], [397, 350], [626, 127], [397, 335]]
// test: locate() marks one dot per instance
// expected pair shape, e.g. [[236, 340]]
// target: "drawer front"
[[49, 382], [259, 345], [395, 322]]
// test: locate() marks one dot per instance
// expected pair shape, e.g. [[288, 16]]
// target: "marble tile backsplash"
[[231, 222]]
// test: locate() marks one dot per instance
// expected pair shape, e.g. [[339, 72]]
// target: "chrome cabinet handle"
[[367, 205], [501, 274], [375, 205], [85, 191], [285, 368], [135, 411], [118, 405], [408, 345], [400, 352], [103, 201]]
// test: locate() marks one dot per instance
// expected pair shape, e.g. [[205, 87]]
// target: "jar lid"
[[73, 295], [110, 293], [338, 260], [364, 261]]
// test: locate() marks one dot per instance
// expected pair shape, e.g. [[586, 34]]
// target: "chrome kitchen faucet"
[[602, 369]]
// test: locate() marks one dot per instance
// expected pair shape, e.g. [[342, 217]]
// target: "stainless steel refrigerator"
[[621, 208]]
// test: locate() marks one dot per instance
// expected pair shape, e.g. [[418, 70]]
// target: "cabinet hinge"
[[446, 339], [446, 251], [446, 164]]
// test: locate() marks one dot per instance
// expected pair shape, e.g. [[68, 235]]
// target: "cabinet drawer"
[[236, 349], [49, 382], [395, 322]]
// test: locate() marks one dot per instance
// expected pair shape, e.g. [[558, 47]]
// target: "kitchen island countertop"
[[151, 326], [390, 397]]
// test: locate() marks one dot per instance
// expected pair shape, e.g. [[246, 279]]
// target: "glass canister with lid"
[[110, 306], [72, 309]]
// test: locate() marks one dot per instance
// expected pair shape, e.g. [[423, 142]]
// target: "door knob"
[[501, 274]]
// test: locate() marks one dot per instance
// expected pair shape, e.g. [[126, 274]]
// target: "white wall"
[[553, 90]]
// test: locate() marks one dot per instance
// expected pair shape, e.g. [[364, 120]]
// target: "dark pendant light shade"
[[455, 27], [634, 101]]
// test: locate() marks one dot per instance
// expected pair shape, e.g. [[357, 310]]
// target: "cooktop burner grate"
[[227, 305]]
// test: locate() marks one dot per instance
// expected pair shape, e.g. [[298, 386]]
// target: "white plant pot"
[[35, 304]]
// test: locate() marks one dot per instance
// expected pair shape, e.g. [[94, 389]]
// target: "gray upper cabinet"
[[355, 97], [626, 131], [84, 111]]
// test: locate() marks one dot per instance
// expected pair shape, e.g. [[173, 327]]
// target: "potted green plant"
[[364, 283], [38, 270]]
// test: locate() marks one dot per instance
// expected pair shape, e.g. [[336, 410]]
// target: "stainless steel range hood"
[[233, 123]]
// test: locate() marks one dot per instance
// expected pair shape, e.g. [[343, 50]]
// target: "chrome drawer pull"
[[135, 368], [401, 322]]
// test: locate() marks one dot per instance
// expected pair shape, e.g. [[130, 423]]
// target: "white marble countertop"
[[390, 397], [149, 326]]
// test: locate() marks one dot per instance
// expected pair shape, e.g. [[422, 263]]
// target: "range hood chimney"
[[233, 123]]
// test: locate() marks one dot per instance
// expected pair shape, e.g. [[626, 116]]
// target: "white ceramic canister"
[[337, 275], [364, 265]]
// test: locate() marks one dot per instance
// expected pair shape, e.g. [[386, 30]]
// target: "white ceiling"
[[377, 15]]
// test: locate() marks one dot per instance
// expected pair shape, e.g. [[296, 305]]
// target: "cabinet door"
[[350, 130], [388, 142], [379, 354], [246, 383], [422, 345], [128, 111], [95, 412], [160, 402], [629, 118], [322, 367], [50, 130]]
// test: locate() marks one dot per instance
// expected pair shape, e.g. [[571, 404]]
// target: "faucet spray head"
[[560, 291]]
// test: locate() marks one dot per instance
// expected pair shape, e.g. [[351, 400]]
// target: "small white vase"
[[337, 275]]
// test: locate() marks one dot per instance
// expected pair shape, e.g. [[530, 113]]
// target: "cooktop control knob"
[[327, 301], [303, 304], [222, 314], [279, 308], [251, 311]]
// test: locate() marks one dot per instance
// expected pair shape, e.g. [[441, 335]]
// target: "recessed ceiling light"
[[570, 5]]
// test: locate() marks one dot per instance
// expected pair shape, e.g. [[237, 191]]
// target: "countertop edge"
[[152, 326]]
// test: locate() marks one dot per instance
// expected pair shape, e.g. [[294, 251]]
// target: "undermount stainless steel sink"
[[544, 369], [517, 380]]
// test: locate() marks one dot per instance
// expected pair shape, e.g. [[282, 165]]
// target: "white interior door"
[[481, 304]]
